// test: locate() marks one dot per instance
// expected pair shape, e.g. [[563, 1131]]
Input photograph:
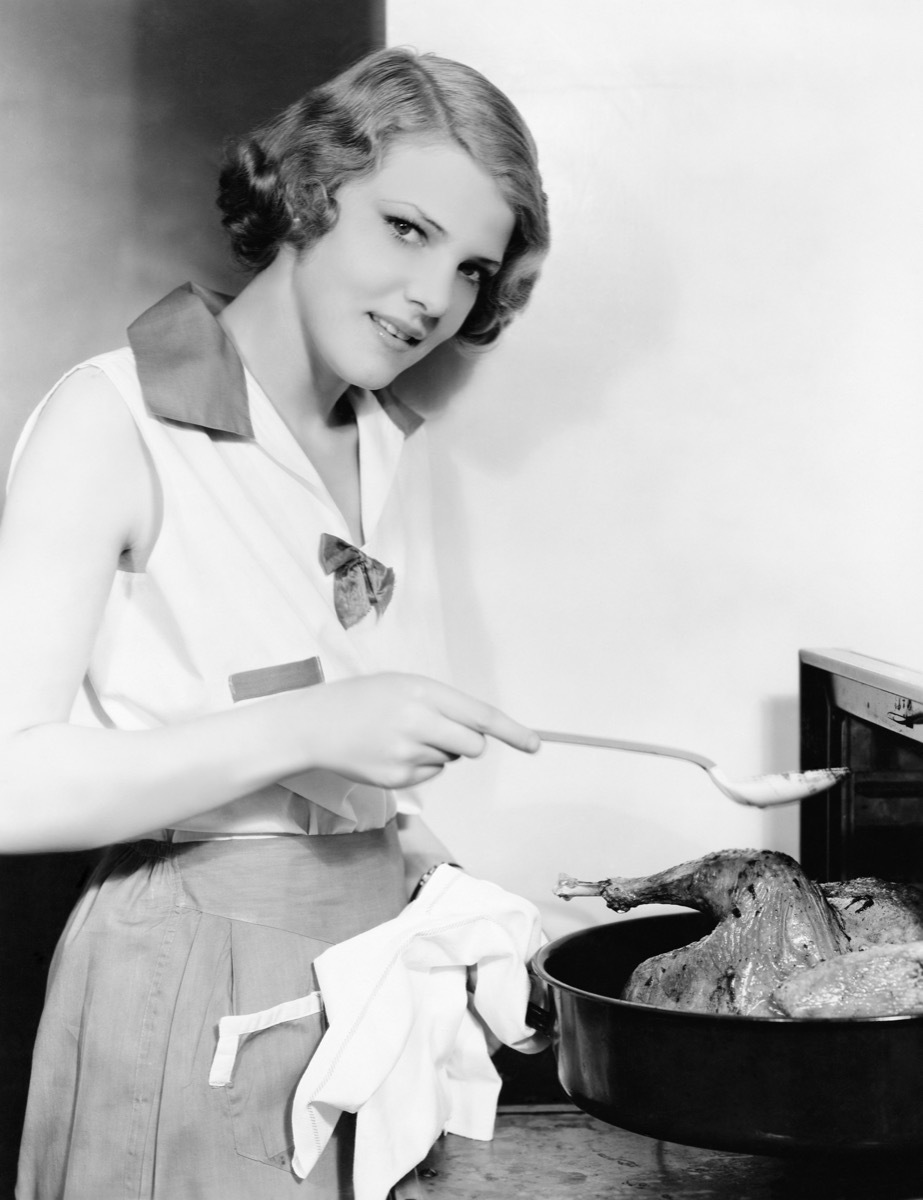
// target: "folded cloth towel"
[[405, 1048]]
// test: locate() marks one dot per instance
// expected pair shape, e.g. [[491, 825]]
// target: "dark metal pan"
[[760, 1085]]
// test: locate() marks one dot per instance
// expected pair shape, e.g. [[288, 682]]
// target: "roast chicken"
[[782, 945]]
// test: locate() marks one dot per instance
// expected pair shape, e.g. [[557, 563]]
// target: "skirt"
[[166, 940]]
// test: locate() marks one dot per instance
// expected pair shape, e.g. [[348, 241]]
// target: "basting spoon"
[[759, 791]]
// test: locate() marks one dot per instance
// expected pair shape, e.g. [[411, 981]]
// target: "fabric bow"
[[359, 582]]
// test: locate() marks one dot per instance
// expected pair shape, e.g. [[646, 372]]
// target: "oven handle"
[[907, 718]]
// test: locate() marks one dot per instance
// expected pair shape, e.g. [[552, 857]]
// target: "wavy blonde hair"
[[278, 185]]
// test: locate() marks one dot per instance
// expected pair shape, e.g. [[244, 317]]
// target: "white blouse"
[[232, 600]]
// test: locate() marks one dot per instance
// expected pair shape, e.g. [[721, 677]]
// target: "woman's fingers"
[[422, 774], [505, 729], [480, 718], [395, 730], [448, 740]]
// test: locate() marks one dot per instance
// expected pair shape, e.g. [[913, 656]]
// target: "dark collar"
[[187, 365], [190, 371]]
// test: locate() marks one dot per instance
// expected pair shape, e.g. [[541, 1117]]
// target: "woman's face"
[[401, 269]]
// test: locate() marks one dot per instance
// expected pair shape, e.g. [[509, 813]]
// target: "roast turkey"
[[782, 944], [882, 980], [874, 911]]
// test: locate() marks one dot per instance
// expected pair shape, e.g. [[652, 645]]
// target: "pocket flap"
[[281, 677]]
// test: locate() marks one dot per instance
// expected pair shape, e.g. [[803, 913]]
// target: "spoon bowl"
[[757, 791]]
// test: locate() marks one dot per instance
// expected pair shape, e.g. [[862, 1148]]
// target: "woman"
[[204, 671]]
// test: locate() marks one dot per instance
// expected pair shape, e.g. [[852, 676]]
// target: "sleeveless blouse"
[[232, 603]]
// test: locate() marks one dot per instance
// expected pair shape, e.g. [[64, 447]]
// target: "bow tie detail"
[[359, 582]]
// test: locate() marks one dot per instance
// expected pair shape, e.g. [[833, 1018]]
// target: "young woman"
[[220, 631]]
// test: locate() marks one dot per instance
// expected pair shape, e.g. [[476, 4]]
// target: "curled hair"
[[278, 186]]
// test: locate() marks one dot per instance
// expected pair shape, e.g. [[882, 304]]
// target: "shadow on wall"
[[199, 72], [781, 752], [208, 71], [600, 311], [115, 114], [504, 418]]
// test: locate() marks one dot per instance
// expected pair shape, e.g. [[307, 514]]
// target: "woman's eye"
[[474, 274], [405, 231]]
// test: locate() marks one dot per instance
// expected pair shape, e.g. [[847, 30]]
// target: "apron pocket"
[[270, 968]]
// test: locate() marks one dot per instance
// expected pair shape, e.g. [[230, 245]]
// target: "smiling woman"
[[282, 184], [221, 631], [405, 261]]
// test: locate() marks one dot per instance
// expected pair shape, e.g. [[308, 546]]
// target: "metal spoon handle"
[[759, 791], [580, 739]]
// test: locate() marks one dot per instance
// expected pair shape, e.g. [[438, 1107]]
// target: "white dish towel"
[[406, 1048]]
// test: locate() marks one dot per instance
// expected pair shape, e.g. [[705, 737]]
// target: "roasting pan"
[[760, 1085]]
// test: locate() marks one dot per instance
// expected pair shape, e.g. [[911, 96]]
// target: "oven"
[[854, 1089], [865, 714]]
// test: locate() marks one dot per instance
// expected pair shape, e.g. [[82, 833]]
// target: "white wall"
[[698, 451]]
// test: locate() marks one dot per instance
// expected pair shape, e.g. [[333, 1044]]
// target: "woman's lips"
[[396, 331]]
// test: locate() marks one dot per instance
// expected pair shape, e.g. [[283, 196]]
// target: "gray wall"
[[112, 115]]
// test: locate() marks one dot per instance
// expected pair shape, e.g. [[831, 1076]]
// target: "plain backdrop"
[[699, 451], [695, 454], [112, 118]]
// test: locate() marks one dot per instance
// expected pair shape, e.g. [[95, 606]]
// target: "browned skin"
[[771, 922], [881, 980], [782, 945], [874, 911]]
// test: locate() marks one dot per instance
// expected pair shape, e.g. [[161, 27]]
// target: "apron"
[[167, 939]]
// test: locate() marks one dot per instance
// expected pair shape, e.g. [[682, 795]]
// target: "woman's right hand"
[[395, 730], [83, 495]]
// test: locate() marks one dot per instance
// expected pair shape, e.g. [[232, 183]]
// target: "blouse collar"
[[191, 372]]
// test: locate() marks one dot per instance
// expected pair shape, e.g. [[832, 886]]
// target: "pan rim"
[[657, 1012]]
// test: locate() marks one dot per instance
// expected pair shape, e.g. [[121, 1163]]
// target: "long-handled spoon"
[[759, 791]]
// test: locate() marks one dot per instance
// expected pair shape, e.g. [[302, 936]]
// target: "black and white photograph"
[[461, 687]]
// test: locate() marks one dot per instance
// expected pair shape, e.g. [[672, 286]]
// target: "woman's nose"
[[431, 287]]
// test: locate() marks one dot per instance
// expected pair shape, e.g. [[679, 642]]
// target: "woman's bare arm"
[[82, 494], [420, 847]]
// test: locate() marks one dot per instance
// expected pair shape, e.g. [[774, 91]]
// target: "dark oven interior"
[[867, 715]]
